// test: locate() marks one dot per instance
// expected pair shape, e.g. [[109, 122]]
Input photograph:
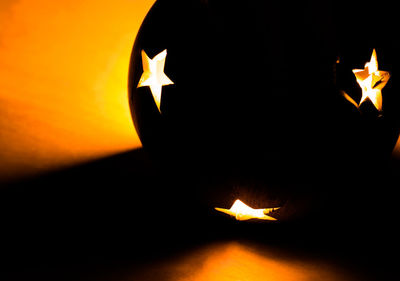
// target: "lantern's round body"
[[245, 85]]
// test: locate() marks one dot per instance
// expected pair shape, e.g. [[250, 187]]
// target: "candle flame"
[[242, 212], [372, 81]]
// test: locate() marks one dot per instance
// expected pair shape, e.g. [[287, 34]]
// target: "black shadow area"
[[123, 206], [120, 211], [97, 210]]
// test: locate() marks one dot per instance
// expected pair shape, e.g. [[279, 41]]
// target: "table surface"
[[110, 220]]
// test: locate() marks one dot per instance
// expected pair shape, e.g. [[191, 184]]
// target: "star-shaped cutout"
[[372, 81], [154, 76], [242, 212]]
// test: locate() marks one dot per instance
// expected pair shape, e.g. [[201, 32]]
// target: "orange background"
[[63, 82]]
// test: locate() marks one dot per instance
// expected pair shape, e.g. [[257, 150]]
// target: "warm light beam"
[[63, 82], [233, 261], [372, 81], [242, 212]]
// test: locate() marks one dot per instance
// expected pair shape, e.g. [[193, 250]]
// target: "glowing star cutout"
[[242, 212], [154, 76], [372, 81]]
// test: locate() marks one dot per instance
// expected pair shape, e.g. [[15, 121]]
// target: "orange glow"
[[236, 262], [63, 81], [153, 75], [372, 81], [396, 150], [232, 261], [242, 212], [349, 99]]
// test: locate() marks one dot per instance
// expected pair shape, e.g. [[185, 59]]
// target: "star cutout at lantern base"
[[372, 81], [154, 76], [242, 212]]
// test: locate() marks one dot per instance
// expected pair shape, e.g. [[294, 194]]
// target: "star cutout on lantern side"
[[154, 76], [372, 81], [242, 212]]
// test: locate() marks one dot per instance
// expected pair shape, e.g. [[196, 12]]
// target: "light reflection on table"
[[241, 261]]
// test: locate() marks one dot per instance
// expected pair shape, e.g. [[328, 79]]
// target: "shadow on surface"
[[123, 211]]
